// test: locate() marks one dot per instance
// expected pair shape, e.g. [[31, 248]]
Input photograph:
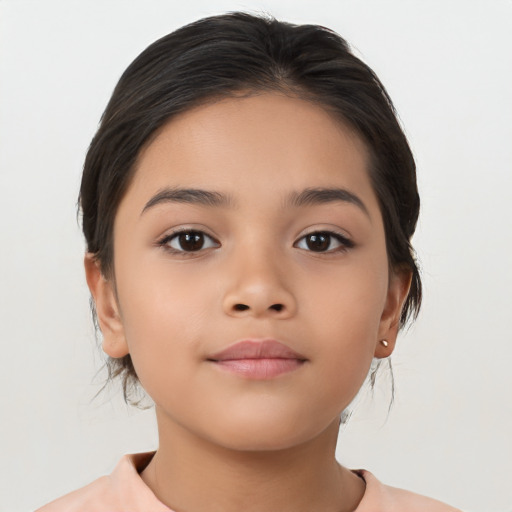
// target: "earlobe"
[[107, 309], [398, 289]]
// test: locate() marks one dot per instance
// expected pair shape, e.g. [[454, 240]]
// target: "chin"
[[260, 436]]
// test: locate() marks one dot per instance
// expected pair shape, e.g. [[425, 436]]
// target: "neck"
[[191, 474]]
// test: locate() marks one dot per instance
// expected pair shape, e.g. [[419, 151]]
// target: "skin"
[[275, 438]]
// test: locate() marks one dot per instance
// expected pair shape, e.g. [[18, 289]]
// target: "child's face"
[[255, 274]]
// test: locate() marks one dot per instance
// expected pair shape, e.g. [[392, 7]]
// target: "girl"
[[248, 203]]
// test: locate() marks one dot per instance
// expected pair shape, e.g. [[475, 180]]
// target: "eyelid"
[[345, 242], [164, 240]]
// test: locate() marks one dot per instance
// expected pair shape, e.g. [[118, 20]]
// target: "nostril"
[[245, 307]]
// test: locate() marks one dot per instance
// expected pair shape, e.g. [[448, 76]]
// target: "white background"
[[448, 67]]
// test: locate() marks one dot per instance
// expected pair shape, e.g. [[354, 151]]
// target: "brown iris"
[[318, 241], [191, 240]]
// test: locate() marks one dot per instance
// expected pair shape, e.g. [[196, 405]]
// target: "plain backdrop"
[[448, 67]]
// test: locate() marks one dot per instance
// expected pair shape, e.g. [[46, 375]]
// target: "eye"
[[188, 241], [324, 241]]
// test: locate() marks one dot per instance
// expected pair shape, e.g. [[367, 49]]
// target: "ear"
[[107, 308], [398, 289]]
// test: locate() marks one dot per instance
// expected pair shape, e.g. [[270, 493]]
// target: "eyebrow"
[[307, 197], [313, 196], [190, 196]]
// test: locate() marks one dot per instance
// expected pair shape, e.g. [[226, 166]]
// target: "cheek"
[[347, 321], [163, 318], [349, 300]]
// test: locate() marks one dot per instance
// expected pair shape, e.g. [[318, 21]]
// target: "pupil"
[[191, 241], [318, 242]]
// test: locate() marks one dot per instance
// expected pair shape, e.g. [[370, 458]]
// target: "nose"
[[256, 287]]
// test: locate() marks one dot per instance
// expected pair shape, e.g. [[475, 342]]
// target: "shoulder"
[[393, 499], [122, 490], [96, 496]]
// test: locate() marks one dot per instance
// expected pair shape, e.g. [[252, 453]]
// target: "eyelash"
[[164, 242], [345, 243]]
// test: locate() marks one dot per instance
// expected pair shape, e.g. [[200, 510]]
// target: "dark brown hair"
[[229, 55]]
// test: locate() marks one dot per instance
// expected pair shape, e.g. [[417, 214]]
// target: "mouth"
[[258, 359]]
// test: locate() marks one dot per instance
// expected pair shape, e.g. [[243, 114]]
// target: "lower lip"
[[260, 368]]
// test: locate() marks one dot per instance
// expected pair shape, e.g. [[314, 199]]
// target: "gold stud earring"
[[384, 342]]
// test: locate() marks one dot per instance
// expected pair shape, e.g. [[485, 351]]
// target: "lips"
[[258, 359], [262, 349]]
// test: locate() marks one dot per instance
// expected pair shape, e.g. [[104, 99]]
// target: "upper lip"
[[256, 349]]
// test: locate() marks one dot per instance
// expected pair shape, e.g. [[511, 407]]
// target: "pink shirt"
[[125, 491]]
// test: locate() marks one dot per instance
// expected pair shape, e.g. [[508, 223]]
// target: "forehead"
[[259, 146]]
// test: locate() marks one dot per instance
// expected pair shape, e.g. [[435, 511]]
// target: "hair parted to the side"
[[238, 54]]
